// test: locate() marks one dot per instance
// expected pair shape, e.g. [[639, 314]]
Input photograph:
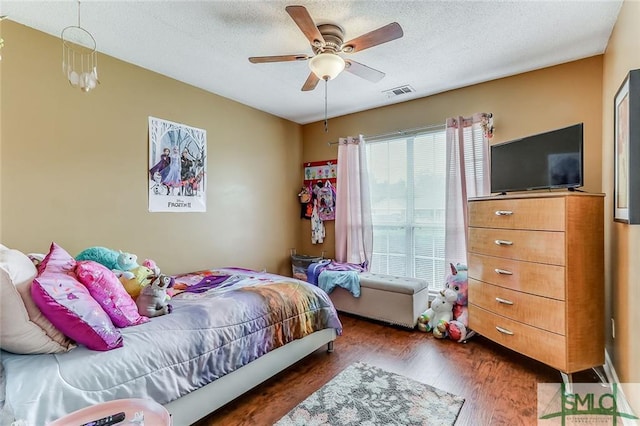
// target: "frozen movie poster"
[[177, 167]]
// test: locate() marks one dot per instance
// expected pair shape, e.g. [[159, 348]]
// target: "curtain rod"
[[399, 133]]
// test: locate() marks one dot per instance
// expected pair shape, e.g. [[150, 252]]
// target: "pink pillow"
[[108, 291], [69, 305], [23, 328]]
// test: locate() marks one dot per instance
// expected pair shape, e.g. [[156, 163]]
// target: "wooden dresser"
[[536, 276]]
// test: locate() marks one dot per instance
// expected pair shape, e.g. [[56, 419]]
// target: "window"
[[407, 176]]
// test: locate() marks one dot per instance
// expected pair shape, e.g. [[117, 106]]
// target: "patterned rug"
[[366, 395]]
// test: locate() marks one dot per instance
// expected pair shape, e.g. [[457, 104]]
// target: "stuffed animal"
[[118, 261], [437, 317], [457, 283], [142, 277], [151, 265], [153, 299]]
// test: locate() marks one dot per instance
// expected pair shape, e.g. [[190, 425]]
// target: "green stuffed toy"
[[119, 262]]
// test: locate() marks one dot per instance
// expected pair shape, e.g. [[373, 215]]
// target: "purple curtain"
[[353, 225]]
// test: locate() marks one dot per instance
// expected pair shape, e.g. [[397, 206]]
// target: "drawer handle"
[[503, 242], [503, 272], [504, 331], [504, 212], [504, 301]]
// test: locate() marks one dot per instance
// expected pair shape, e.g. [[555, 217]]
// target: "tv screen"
[[547, 160]]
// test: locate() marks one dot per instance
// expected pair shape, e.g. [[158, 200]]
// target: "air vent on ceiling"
[[397, 91]]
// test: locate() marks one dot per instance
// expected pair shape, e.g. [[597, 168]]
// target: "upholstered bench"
[[395, 300]]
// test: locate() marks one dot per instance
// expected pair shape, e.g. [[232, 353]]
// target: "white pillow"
[[19, 331]]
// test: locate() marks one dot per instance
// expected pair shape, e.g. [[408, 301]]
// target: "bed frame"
[[201, 402]]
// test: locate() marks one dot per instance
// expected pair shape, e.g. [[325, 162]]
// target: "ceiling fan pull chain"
[[326, 121]]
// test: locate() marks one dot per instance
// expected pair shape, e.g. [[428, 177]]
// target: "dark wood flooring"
[[499, 385]]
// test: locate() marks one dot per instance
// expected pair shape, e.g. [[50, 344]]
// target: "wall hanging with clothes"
[[321, 170], [318, 189]]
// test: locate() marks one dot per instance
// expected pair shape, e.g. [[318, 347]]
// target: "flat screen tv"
[[547, 160]]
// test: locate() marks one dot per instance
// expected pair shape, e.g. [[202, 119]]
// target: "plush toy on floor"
[[457, 283], [153, 300], [119, 262], [437, 317]]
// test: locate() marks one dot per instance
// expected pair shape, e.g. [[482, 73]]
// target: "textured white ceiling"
[[446, 44]]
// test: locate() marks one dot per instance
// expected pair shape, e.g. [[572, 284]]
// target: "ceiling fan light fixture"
[[327, 66]]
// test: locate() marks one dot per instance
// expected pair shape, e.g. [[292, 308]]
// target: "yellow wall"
[[622, 247], [73, 166], [522, 105]]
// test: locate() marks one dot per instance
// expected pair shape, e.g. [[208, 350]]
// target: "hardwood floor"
[[499, 385]]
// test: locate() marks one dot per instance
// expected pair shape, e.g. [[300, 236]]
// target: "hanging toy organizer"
[[317, 175], [320, 170]]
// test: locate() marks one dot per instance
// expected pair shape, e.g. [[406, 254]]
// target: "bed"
[[221, 339]]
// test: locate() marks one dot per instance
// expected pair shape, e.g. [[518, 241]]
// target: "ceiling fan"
[[326, 42]]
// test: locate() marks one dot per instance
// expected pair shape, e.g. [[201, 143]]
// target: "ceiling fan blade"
[[282, 58], [311, 83], [363, 71], [384, 34], [306, 24]]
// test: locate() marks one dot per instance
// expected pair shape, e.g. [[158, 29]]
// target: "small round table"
[[154, 413]]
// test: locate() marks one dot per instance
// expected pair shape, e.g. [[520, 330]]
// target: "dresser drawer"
[[544, 214], [547, 347], [534, 278], [536, 311], [530, 246]]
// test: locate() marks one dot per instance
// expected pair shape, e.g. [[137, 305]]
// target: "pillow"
[[69, 305], [19, 333], [106, 289]]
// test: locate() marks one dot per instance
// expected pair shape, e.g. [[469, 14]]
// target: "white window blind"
[[408, 182], [474, 158]]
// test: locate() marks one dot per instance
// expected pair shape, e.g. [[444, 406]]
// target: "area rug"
[[366, 395]]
